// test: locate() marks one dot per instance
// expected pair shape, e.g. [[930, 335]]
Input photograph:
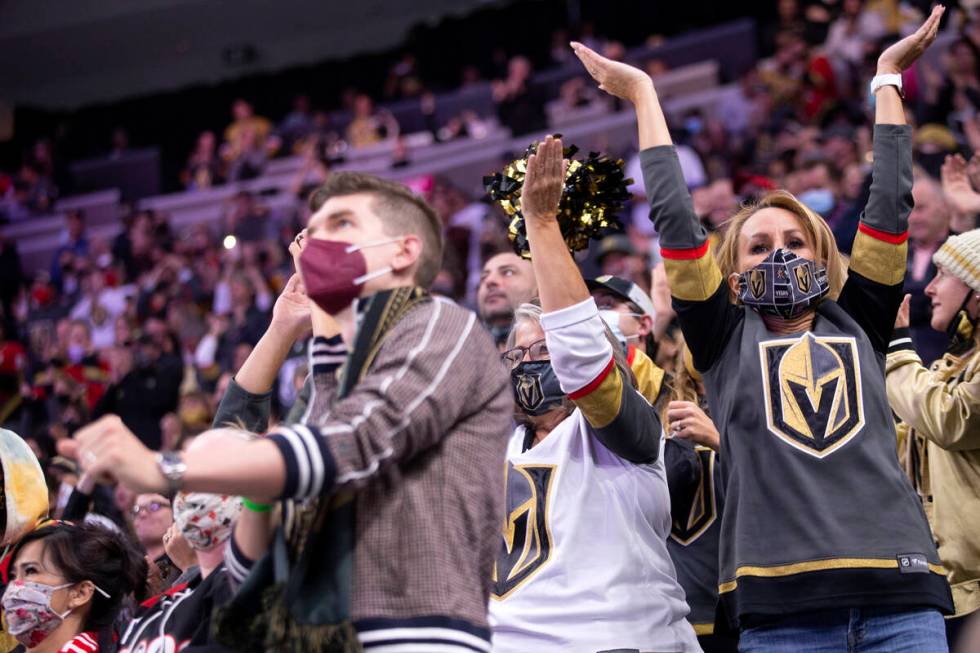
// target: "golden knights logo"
[[529, 392], [813, 391], [526, 544], [689, 526], [803, 278]]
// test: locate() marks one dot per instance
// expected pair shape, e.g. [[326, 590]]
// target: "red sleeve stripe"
[[630, 355], [685, 254], [884, 236], [595, 383]]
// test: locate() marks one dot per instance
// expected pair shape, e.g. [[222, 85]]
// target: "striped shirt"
[[420, 440]]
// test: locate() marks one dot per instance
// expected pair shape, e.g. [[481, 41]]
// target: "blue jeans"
[[864, 630]]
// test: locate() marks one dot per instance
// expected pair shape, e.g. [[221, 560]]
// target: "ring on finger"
[[90, 458]]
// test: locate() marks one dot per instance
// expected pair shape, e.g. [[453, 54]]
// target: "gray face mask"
[[784, 284]]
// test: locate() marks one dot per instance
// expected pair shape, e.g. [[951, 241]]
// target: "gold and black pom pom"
[[595, 191]]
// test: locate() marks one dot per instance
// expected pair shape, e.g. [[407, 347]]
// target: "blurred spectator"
[[403, 79], [928, 229], [204, 166], [248, 142], [99, 306], [519, 105], [368, 126], [788, 17], [956, 94], [75, 247], [297, 125], [246, 218], [143, 390], [855, 33], [34, 191], [617, 257]]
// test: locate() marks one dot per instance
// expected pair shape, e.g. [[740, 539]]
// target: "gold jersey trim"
[[779, 571]]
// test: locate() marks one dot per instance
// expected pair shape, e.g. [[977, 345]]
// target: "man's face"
[[352, 219], [507, 281], [634, 325], [929, 220], [152, 517]]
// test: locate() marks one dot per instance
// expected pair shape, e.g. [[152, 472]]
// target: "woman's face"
[[526, 334], [33, 564], [768, 229], [947, 293]]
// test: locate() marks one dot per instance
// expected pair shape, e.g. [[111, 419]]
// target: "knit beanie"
[[960, 256]]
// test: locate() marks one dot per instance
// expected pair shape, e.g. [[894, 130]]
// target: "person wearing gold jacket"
[[939, 439]]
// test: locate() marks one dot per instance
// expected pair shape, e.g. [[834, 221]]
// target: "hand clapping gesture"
[[543, 182], [899, 56], [614, 77]]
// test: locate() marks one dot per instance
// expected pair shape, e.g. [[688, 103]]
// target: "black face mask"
[[783, 284], [536, 388]]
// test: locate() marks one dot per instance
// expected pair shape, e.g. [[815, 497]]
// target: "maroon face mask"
[[333, 272]]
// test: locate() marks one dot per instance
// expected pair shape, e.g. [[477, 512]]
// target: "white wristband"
[[887, 80]]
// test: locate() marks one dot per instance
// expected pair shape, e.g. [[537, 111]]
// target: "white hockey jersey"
[[583, 565]]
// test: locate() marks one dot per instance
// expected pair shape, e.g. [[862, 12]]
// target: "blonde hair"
[[683, 385], [821, 238]]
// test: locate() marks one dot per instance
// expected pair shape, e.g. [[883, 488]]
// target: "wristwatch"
[[172, 466], [893, 79]]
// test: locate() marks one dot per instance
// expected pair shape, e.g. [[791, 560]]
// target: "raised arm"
[[700, 298], [581, 354], [873, 291], [247, 402]]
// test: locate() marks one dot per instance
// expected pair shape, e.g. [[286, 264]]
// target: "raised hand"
[[543, 182], [902, 319], [614, 77], [903, 54], [956, 185], [291, 311]]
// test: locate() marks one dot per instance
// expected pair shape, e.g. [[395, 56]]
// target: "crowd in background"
[[161, 319], [152, 324]]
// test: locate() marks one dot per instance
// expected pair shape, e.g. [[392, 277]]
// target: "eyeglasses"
[[536, 351], [150, 508]]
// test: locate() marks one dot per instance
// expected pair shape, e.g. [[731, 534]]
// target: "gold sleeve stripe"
[[817, 565], [649, 377], [693, 279], [879, 260], [704, 629], [602, 402]]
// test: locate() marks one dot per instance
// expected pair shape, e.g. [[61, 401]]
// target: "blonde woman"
[[824, 545], [940, 408]]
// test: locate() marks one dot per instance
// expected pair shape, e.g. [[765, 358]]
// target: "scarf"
[[297, 598]]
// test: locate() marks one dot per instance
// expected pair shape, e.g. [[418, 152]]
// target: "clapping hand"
[[543, 182], [904, 53], [956, 185], [614, 77], [688, 422]]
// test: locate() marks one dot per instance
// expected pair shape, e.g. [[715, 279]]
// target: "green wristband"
[[256, 507]]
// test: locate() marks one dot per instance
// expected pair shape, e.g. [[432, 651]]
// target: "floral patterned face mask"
[[27, 608], [206, 520]]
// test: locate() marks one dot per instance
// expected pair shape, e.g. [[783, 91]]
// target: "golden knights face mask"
[[784, 284], [536, 387]]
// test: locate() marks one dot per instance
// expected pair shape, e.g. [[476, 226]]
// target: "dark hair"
[[93, 553], [400, 210]]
